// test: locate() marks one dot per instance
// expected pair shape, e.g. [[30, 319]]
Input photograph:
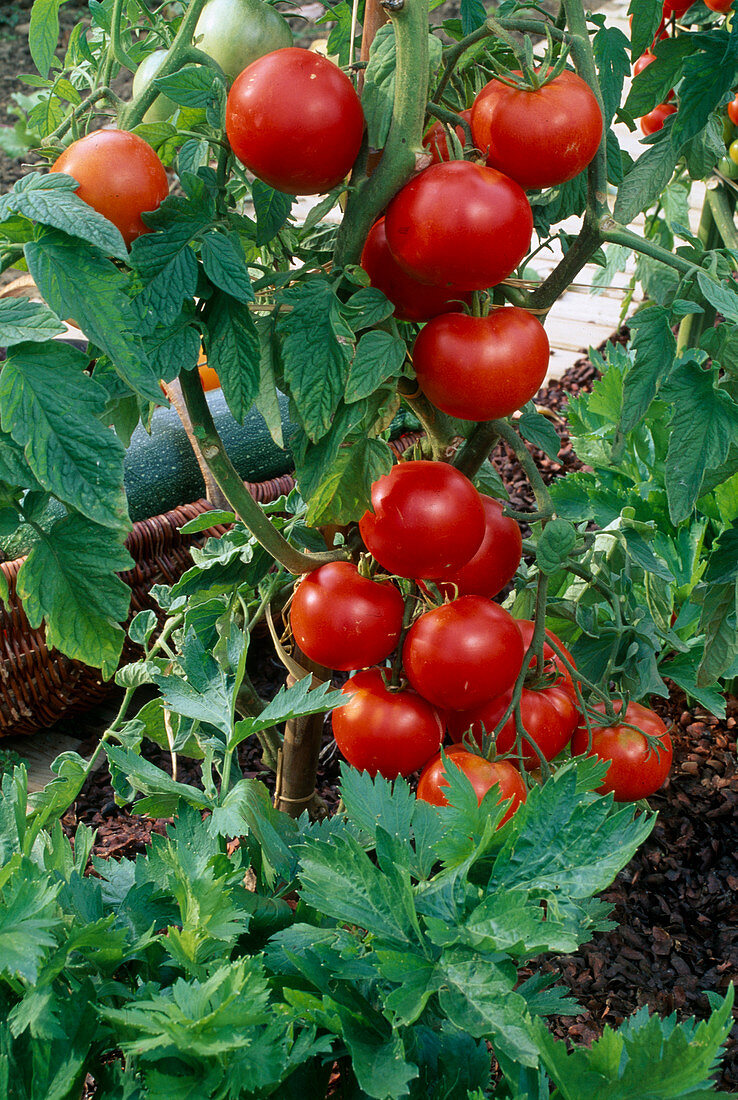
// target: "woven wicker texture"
[[38, 685]]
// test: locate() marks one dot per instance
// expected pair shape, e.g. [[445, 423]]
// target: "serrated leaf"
[[70, 580], [646, 15], [87, 287], [653, 84], [611, 47], [647, 178], [720, 295], [272, 209], [44, 33], [379, 81], [50, 407], [539, 431], [655, 347], [51, 200], [709, 74], [29, 915], [378, 1061], [233, 351], [316, 351], [296, 701], [22, 320], [719, 617], [555, 544], [343, 496], [225, 265], [379, 356], [703, 426], [367, 307], [191, 86]]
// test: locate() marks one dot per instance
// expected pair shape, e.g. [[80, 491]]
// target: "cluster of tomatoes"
[[456, 662]]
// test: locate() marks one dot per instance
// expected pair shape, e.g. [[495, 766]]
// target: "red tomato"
[[389, 732], [459, 225], [294, 119], [343, 620], [549, 717], [464, 653], [636, 770], [482, 774], [413, 301], [676, 8], [481, 368], [436, 139], [427, 519], [733, 111], [119, 175], [644, 60], [722, 6], [538, 137], [655, 119], [496, 560]]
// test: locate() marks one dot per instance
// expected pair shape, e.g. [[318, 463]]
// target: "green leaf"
[[44, 33], [164, 795], [379, 81], [272, 209], [703, 426], [343, 496], [225, 265], [709, 75], [367, 307], [720, 295], [50, 407], [69, 579], [646, 15], [51, 200], [29, 915], [611, 54], [22, 320], [539, 431], [191, 86], [719, 617], [653, 84], [682, 669], [378, 1061], [473, 15], [379, 356], [233, 352], [647, 178], [85, 286], [316, 351], [655, 347], [555, 544], [294, 702], [267, 400]]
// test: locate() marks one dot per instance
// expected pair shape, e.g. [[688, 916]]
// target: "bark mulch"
[[676, 902]]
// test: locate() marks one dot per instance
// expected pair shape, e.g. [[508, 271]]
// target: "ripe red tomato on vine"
[[636, 769], [495, 562], [538, 136], [295, 120], [482, 774], [119, 175], [383, 731], [482, 368], [655, 119], [436, 138], [345, 621], [459, 225], [549, 717]]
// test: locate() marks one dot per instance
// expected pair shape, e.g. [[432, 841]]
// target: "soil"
[[675, 903]]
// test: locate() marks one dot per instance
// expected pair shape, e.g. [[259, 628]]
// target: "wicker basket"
[[38, 685]]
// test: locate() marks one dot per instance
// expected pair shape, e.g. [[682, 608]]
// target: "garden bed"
[[675, 903]]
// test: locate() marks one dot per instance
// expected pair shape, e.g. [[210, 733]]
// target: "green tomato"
[[728, 130], [236, 32], [162, 108], [733, 151], [728, 168]]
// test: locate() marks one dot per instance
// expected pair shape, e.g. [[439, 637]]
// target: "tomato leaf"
[[172, 348], [29, 921], [343, 495], [225, 265], [316, 351], [272, 209], [379, 355], [69, 579], [703, 426], [555, 544], [51, 200], [473, 15], [539, 431], [234, 352], [655, 347], [709, 75], [44, 33], [378, 96], [653, 84], [191, 86], [719, 618], [50, 407], [647, 178], [646, 15], [613, 64], [367, 307], [23, 320]]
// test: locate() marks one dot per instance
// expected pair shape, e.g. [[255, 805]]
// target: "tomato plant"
[[295, 120], [538, 136], [236, 32], [482, 774], [385, 731], [119, 175], [637, 768], [655, 119], [481, 368], [413, 301], [549, 716], [459, 225], [345, 621], [494, 564], [732, 110], [436, 139], [463, 653], [426, 519]]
